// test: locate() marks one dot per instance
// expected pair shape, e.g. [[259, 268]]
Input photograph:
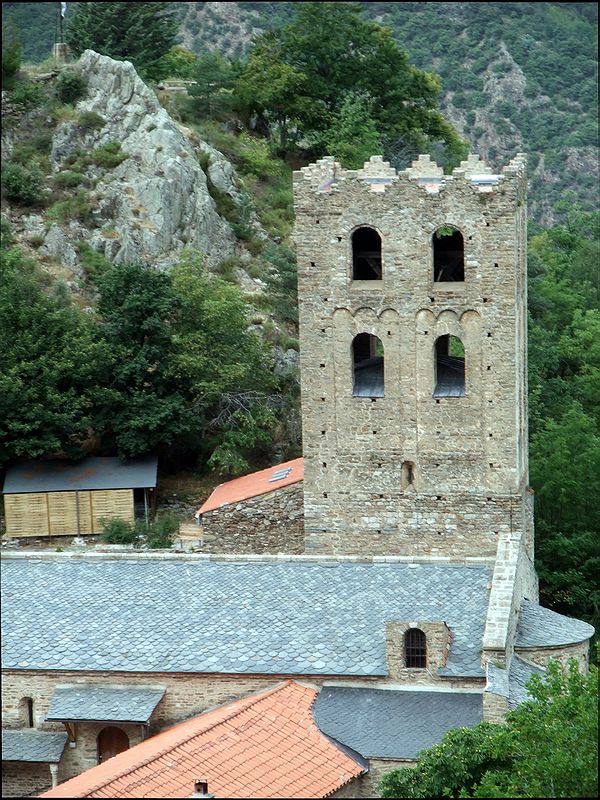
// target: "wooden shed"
[[60, 498]]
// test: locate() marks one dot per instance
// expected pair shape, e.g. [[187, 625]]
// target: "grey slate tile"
[[104, 703], [189, 616], [538, 626], [32, 745], [384, 723], [519, 673]]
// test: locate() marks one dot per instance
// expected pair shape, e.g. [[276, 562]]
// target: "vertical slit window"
[[366, 255], [367, 359], [448, 255], [415, 649], [449, 367]]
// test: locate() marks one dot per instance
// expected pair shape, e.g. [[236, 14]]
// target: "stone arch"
[[367, 253], [110, 742], [449, 355], [367, 365], [448, 253]]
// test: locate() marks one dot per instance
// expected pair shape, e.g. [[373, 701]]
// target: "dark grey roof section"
[[540, 627], [385, 723], [32, 745], [104, 703], [520, 672], [295, 617], [497, 680], [89, 474]]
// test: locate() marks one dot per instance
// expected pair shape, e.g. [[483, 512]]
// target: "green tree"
[[138, 407], [547, 748], [138, 32], [352, 137], [11, 53], [48, 362], [226, 370], [299, 77], [213, 75]]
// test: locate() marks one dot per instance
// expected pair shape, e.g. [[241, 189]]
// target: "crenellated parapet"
[[328, 175]]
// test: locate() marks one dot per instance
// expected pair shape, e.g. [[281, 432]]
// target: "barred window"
[[415, 648]]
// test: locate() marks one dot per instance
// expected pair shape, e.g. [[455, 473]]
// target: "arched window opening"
[[449, 367], [26, 712], [366, 255], [415, 649], [111, 741], [448, 255], [367, 357], [407, 479]]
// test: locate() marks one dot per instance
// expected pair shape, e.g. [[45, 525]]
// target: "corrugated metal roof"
[[91, 473], [105, 703], [254, 484], [32, 745]]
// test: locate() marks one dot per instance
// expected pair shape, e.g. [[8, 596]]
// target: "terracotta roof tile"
[[265, 745], [254, 484]]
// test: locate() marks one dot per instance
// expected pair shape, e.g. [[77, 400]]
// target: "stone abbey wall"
[[469, 453]]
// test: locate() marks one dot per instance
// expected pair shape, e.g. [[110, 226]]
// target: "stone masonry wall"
[[366, 785], [21, 779], [469, 453], [187, 695], [542, 655], [269, 523]]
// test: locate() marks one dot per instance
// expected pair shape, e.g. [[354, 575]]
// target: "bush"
[[70, 86], [22, 184], [89, 120], [108, 155], [5, 234], [118, 531], [11, 54], [28, 95], [68, 179], [160, 532], [93, 263], [77, 207]]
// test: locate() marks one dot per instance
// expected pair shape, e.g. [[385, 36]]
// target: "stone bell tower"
[[413, 357]]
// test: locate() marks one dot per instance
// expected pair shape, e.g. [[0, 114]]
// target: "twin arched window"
[[448, 255], [369, 372], [415, 649]]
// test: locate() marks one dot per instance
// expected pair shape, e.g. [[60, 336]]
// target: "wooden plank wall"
[[55, 513]]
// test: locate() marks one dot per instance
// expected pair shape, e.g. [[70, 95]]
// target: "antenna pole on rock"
[[60, 51]]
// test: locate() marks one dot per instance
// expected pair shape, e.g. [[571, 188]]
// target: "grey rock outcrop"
[[156, 202]]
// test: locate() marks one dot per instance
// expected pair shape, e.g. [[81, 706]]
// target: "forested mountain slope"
[[515, 76]]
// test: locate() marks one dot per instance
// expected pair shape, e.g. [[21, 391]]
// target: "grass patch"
[[77, 207], [93, 263], [68, 179], [108, 156], [89, 120]]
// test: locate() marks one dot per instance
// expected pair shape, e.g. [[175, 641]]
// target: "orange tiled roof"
[[265, 745], [254, 484]]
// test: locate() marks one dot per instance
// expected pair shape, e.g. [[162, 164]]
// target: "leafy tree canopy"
[[139, 32], [300, 76], [548, 748]]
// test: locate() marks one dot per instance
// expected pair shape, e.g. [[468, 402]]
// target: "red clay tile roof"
[[265, 745], [254, 484]]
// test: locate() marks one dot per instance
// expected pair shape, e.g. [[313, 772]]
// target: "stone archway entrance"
[[110, 742]]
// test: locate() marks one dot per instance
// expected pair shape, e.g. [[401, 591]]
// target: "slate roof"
[[384, 723], [519, 673], [89, 474], [32, 745], [104, 703], [257, 483], [293, 617], [541, 627], [265, 745]]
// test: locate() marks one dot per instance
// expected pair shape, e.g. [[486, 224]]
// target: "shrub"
[[93, 262], [89, 120], [160, 531], [118, 531], [22, 184], [62, 113], [28, 95], [11, 54], [5, 234], [77, 207], [108, 155], [70, 86], [68, 179]]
